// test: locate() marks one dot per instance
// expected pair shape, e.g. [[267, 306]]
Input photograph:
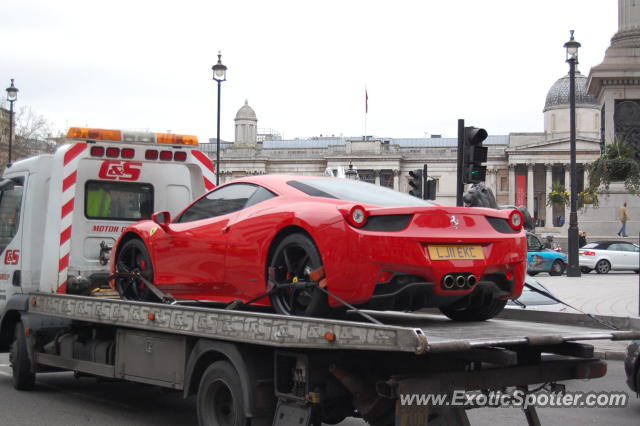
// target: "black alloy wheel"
[[134, 257], [293, 260]]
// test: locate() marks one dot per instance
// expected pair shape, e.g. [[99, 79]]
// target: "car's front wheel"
[[293, 261], [557, 268], [133, 258], [481, 307], [603, 266]]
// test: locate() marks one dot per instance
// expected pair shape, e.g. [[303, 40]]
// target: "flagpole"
[[366, 111]]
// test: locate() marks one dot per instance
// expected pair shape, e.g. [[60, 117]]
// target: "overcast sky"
[[303, 66]]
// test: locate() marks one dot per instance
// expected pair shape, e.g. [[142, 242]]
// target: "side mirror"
[[162, 218]]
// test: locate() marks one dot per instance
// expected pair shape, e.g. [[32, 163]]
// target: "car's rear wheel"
[[585, 270], [603, 266], [134, 258], [481, 307], [293, 260], [557, 268]]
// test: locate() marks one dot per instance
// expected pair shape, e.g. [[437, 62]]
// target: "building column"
[[376, 176], [548, 212], [512, 184], [567, 177], [530, 187], [396, 180]]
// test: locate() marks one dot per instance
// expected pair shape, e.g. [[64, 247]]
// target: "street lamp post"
[[219, 75], [12, 95], [573, 269]]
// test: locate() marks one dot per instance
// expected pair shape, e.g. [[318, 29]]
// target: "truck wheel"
[[220, 400], [482, 306], [134, 257], [557, 268], [294, 258], [23, 377]]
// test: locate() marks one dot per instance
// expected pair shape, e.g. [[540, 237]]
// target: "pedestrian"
[[582, 239], [623, 215]]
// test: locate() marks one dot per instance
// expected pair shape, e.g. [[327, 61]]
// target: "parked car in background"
[[541, 259], [604, 256], [632, 366], [535, 301]]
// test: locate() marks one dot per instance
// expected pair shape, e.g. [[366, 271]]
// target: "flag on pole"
[[366, 101]]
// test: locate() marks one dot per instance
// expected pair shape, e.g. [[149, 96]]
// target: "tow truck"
[[244, 365]]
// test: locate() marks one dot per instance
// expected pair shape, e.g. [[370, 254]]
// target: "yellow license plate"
[[455, 252]]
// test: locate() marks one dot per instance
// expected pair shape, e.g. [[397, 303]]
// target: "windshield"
[[357, 191]]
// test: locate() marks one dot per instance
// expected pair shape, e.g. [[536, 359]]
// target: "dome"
[[558, 96], [246, 113]]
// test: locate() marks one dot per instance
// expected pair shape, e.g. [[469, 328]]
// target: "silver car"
[[604, 256]]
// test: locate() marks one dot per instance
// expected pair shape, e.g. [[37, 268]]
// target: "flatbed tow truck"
[[252, 367], [59, 215]]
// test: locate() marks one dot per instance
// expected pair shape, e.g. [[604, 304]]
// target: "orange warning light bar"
[[94, 134], [173, 139]]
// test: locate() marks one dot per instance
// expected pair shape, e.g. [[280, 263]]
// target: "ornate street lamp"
[[219, 75], [350, 173], [573, 269], [12, 96]]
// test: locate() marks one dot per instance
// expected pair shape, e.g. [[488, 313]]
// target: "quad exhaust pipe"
[[459, 281]]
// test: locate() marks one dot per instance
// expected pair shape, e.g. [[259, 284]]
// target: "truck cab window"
[[10, 202], [118, 200]]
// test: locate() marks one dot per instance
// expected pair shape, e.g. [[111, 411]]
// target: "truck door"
[[11, 200]]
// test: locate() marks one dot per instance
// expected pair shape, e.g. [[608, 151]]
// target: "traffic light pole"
[[460, 184]]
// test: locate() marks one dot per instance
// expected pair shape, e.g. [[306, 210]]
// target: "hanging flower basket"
[[558, 195]]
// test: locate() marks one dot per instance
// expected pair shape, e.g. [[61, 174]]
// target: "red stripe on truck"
[[73, 152], [67, 208], [65, 235], [203, 159], [69, 180], [64, 263]]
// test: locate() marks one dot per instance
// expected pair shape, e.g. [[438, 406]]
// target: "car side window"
[[533, 243], [618, 247], [261, 194], [225, 200]]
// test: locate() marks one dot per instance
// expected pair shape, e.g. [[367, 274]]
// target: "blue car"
[[541, 259]]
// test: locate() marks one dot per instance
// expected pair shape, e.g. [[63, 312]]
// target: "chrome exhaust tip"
[[460, 281], [472, 280], [448, 281]]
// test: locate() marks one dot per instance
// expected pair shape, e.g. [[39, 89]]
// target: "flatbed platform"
[[401, 332]]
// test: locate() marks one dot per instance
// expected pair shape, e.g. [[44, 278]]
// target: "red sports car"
[[378, 249]]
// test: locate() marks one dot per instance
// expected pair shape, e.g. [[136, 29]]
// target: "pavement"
[[613, 298]]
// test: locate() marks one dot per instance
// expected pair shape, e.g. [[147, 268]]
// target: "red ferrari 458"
[[378, 249]]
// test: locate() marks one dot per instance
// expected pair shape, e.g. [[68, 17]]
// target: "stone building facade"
[[522, 168]]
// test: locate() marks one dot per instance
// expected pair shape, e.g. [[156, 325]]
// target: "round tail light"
[[516, 220], [357, 216]]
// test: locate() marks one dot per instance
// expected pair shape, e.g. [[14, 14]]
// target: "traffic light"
[[474, 155], [430, 189], [415, 183]]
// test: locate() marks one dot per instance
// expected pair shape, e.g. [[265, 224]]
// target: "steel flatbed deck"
[[414, 333]]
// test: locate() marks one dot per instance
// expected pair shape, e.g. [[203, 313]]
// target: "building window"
[[386, 178], [553, 122], [366, 176], [504, 183]]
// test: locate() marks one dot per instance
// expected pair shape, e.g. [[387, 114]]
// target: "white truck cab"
[[60, 213]]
